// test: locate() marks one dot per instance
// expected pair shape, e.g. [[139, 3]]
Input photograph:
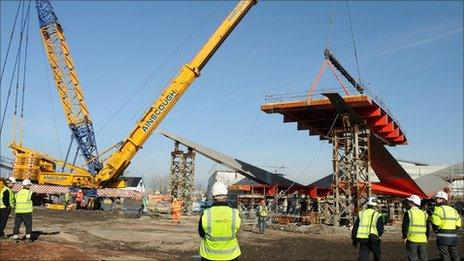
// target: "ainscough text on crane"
[[164, 104]]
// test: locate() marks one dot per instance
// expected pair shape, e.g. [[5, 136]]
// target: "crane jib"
[[164, 104]]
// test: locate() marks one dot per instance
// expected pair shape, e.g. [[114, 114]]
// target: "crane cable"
[[4, 66], [21, 119], [354, 43], [158, 68], [24, 20], [16, 69], [331, 25], [9, 45]]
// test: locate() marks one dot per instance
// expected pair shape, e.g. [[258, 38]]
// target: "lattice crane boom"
[[67, 84]]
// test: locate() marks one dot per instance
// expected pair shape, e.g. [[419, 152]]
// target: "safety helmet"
[[372, 201], [441, 194], [11, 180], [80, 190], [218, 189], [415, 199], [26, 182]]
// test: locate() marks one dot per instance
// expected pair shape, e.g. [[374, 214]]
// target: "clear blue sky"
[[411, 54]]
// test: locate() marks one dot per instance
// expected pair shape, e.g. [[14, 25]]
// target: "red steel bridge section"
[[318, 117]]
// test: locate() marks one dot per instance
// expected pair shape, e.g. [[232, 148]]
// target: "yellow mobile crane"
[[110, 174]]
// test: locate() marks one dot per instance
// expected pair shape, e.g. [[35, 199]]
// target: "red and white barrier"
[[107, 192], [119, 193], [43, 189]]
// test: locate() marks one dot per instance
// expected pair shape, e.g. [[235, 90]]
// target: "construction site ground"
[[98, 235]]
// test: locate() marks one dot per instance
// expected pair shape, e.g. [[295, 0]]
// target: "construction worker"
[[285, 205], [262, 215], [367, 231], [79, 198], [415, 229], [218, 227], [445, 221], [145, 203], [23, 211], [67, 197], [7, 202], [176, 209]]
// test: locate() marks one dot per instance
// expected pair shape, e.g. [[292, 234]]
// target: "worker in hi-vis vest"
[[7, 202], [415, 229], [262, 215], [23, 211], [367, 231], [176, 210], [67, 198], [218, 227], [445, 222], [79, 198]]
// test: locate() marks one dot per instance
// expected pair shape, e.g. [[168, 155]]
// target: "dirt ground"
[[97, 235]]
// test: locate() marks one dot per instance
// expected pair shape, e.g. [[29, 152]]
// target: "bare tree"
[[161, 184]]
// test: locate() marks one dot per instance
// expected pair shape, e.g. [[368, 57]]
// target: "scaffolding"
[[457, 186], [181, 181], [351, 186]]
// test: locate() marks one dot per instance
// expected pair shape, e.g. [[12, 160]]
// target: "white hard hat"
[[441, 194], [415, 199], [11, 179], [372, 201], [218, 188], [26, 182], [80, 190]]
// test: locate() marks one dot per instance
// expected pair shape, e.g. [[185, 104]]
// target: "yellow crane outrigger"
[[110, 174]]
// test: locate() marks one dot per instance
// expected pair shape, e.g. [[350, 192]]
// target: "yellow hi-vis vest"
[[367, 223], [262, 211], [417, 226], [12, 198], [447, 219], [23, 201], [67, 196], [221, 224]]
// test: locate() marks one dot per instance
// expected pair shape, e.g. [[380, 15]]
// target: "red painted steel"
[[318, 115], [390, 172]]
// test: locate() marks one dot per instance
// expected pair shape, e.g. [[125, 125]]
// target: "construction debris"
[[317, 229]]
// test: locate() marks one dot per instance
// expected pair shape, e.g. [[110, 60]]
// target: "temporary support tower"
[[182, 176], [350, 156]]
